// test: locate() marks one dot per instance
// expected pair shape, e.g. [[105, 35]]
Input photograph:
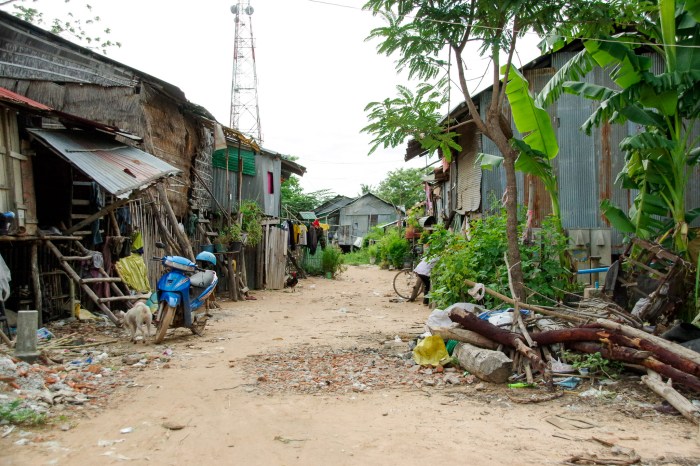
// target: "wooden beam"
[[185, 246], [76, 278], [101, 213]]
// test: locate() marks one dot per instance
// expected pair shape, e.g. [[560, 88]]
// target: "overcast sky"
[[315, 74]]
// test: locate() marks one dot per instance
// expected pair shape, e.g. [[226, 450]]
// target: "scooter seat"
[[202, 279]]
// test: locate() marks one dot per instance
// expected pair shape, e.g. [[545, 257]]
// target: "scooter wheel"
[[166, 318]]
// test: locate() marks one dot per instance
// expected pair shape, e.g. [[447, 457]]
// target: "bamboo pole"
[[184, 243], [36, 282], [539, 309]]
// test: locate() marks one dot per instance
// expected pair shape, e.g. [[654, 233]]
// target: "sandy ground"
[[226, 412]]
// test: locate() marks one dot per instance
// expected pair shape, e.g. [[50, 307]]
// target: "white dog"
[[137, 318]]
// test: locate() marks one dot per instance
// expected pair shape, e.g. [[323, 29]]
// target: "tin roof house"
[[586, 168]]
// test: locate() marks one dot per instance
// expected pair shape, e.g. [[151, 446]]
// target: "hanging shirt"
[[302, 235]]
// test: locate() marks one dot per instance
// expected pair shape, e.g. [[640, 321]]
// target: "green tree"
[[660, 156], [402, 187], [82, 25], [366, 188], [417, 31]]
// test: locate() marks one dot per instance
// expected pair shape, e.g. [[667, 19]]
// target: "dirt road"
[[312, 377]]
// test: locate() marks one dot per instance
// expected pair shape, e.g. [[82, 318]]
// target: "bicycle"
[[406, 280]]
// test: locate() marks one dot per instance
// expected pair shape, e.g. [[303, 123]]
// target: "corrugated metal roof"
[[9, 96], [307, 215], [118, 168]]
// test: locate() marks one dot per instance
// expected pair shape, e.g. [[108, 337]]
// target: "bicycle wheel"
[[404, 282]]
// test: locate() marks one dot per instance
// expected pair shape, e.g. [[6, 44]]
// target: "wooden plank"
[[120, 298], [77, 258], [96, 215], [76, 278], [101, 280]]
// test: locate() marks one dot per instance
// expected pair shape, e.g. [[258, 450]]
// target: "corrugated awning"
[[307, 215], [118, 168]]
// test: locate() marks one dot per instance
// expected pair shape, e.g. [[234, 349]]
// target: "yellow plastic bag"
[[430, 351]]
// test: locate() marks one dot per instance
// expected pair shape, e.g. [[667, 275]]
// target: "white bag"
[[5, 278]]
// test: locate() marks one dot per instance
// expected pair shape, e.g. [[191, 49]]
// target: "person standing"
[[423, 271]]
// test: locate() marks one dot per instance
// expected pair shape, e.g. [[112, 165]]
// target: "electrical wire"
[[440, 21]]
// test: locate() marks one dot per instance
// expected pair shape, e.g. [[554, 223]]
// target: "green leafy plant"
[[251, 221], [14, 413], [230, 234], [480, 259], [393, 249], [332, 260], [595, 363]]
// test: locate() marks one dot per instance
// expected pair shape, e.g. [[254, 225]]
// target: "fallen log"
[[635, 333], [660, 353], [514, 340], [551, 337], [675, 399], [604, 336], [488, 365], [464, 336], [644, 358]]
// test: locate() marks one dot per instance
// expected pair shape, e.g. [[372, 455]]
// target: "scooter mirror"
[[160, 244]]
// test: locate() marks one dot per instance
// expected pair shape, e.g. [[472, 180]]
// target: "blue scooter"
[[183, 291]]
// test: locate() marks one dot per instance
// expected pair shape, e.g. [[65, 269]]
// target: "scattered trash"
[[108, 443], [126, 430], [522, 385], [44, 334], [430, 351], [569, 382]]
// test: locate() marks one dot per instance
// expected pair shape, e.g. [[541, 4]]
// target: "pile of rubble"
[[327, 370], [79, 366]]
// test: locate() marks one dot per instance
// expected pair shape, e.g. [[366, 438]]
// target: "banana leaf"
[[488, 161], [627, 66], [531, 121], [617, 218]]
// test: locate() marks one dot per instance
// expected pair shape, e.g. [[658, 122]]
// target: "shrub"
[[332, 260], [393, 249], [481, 259]]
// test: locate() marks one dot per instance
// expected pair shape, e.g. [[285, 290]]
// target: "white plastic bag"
[[5, 278]]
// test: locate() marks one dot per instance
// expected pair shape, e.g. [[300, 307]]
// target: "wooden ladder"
[[84, 283]]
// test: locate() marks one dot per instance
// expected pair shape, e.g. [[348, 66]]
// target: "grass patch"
[[14, 413], [358, 257]]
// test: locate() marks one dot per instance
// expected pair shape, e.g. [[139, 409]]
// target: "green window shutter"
[[219, 160]]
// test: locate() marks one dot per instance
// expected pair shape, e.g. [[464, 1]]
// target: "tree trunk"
[[511, 206], [501, 140], [485, 328], [491, 366]]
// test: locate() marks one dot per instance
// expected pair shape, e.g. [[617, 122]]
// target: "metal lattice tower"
[[245, 115]]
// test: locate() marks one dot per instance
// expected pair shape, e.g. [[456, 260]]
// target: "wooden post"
[[232, 282], [159, 221], [182, 240], [36, 282]]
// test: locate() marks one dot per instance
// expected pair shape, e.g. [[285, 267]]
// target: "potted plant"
[[232, 236]]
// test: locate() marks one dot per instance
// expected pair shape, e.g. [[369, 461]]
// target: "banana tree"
[[665, 106], [539, 145]]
